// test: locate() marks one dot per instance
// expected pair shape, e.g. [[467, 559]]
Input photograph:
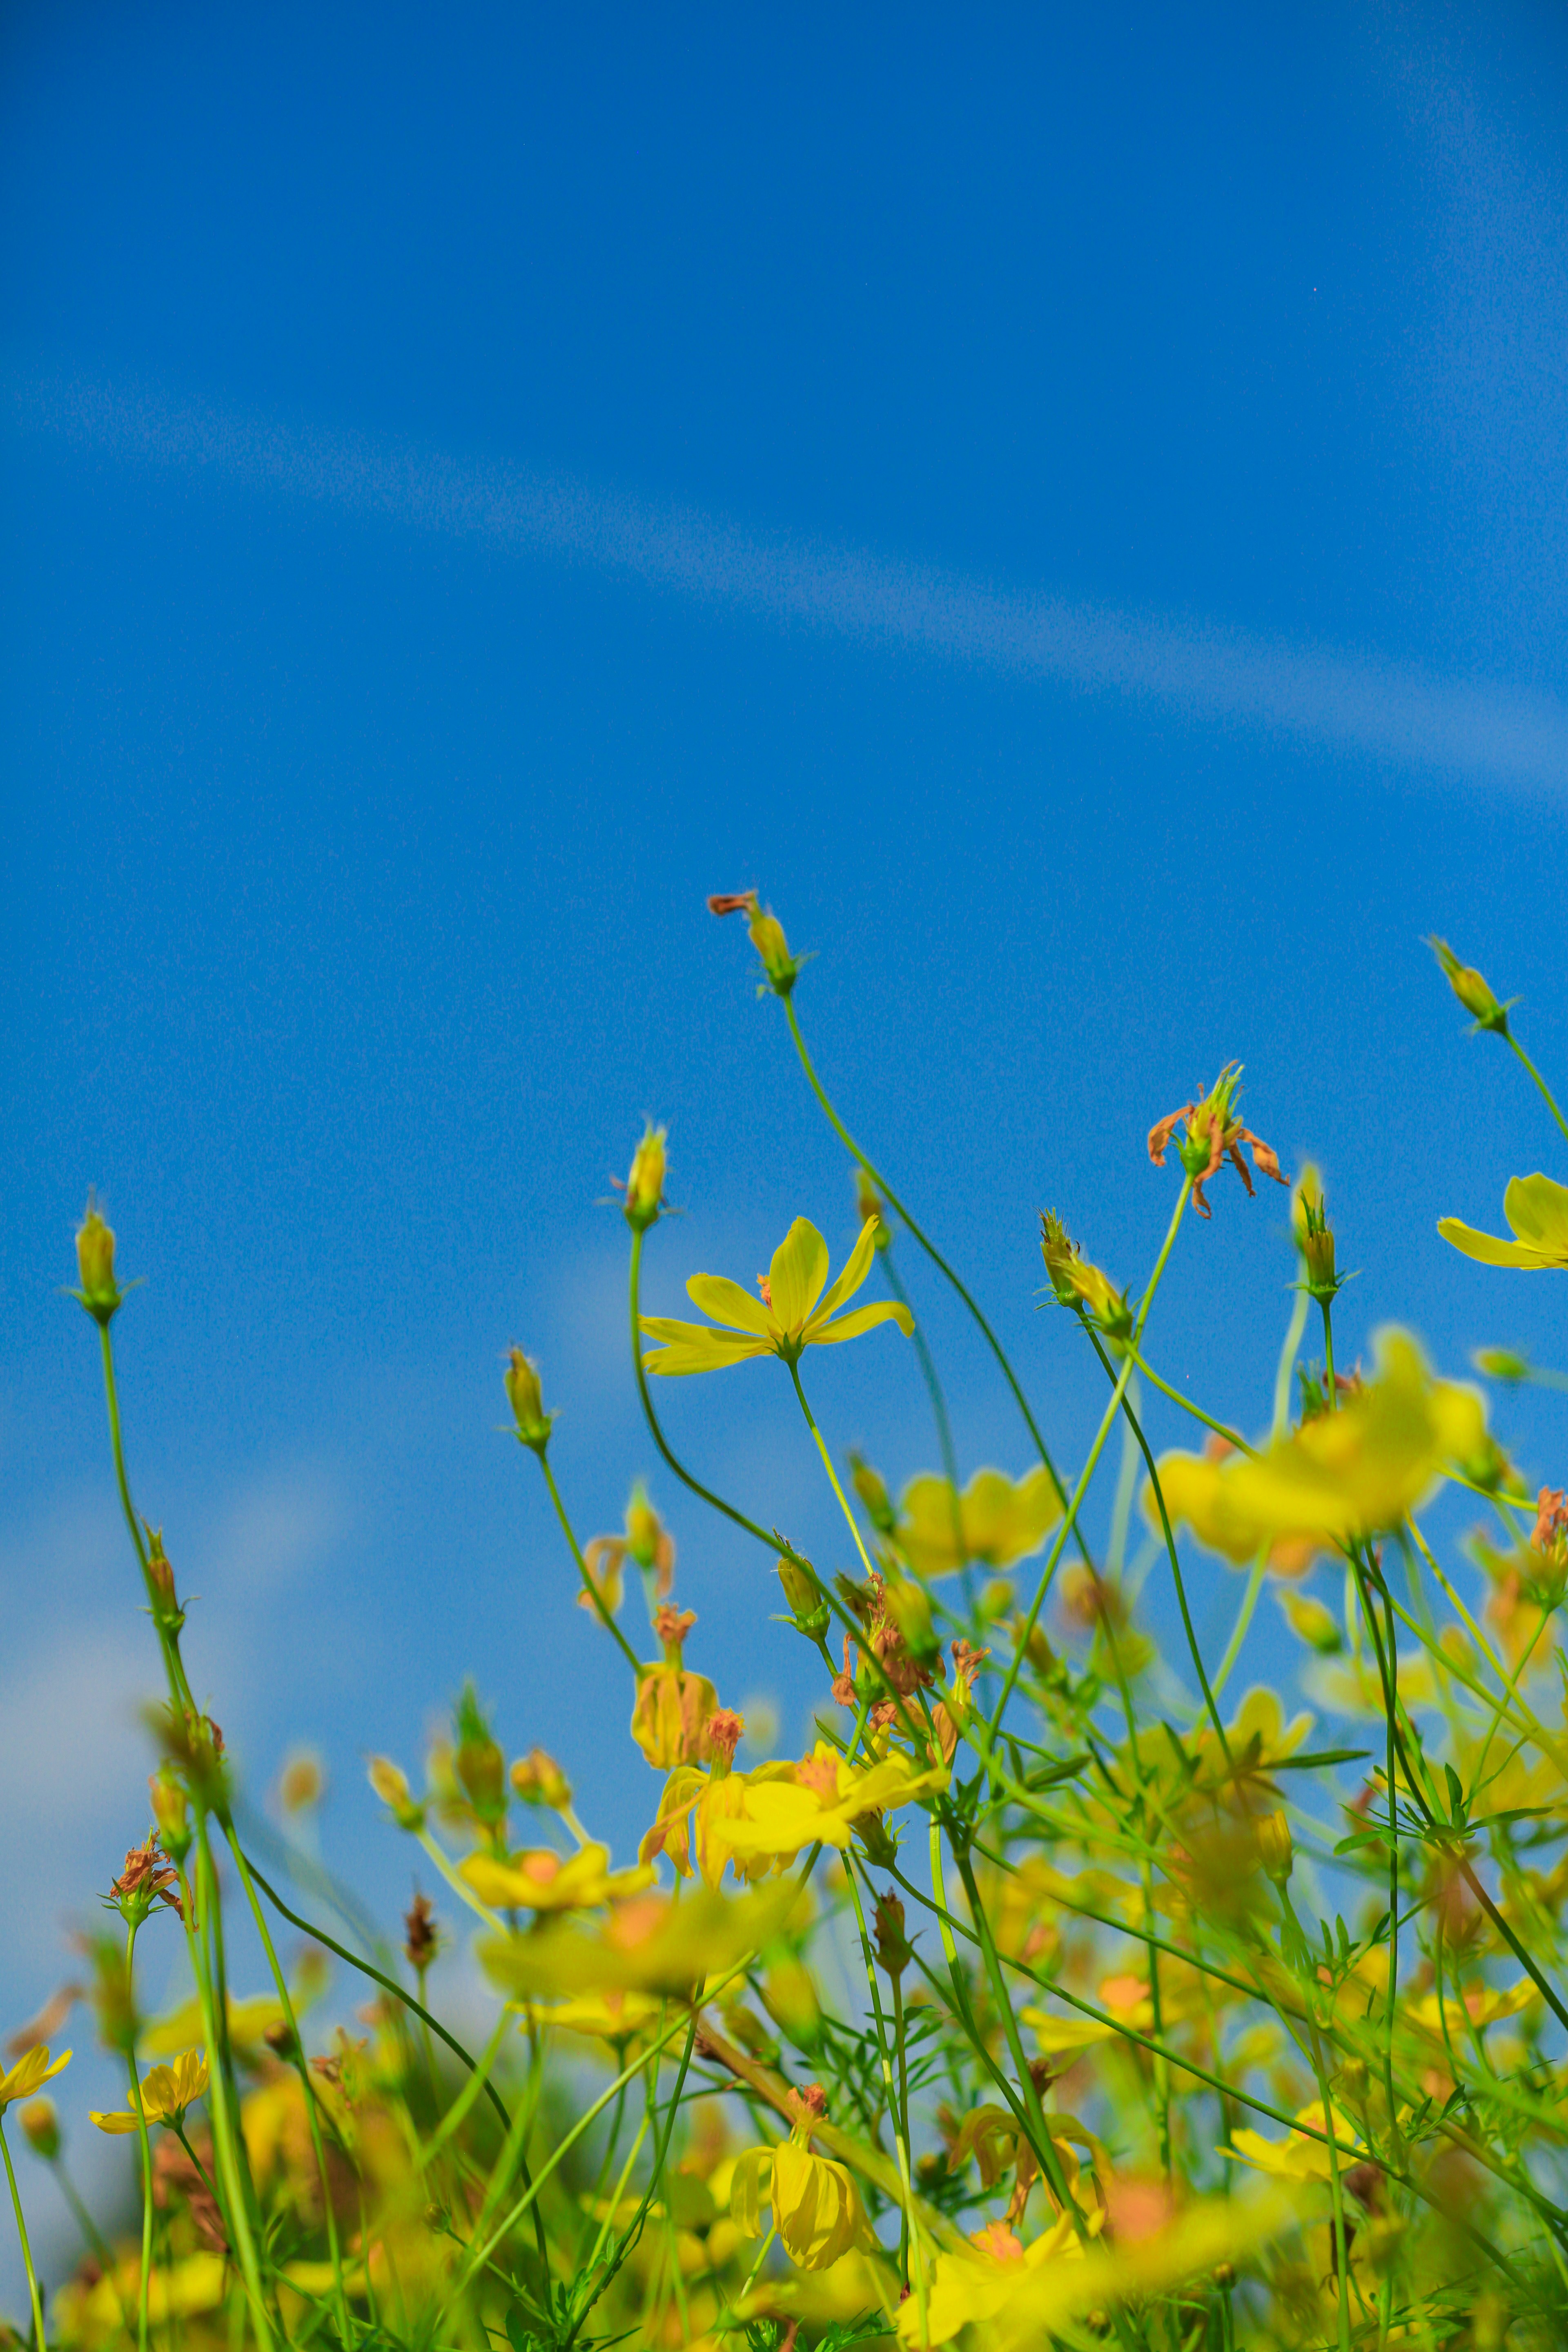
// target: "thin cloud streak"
[[1472, 732]]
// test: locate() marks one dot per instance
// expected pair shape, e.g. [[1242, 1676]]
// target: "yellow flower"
[[817, 2210], [651, 1944], [819, 1804], [972, 2288], [787, 1320], [995, 1520], [1356, 1471], [604, 2016], [31, 2071], [647, 1541], [1537, 1209], [166, 2093], [542, 1880], [1298, 2156]]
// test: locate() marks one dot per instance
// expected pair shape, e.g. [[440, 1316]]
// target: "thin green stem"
[[1243, 1622], [832, 1474], [929, 1246], [33, 2291], [143, 2137], [1545, 1089], [1220, 1428], [606, 1614]]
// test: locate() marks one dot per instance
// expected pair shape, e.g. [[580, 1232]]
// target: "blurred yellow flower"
[[31, 2071], [1537, 1209], [786, 1320], [1354, 1472], [972, 2288], [166, 2093], [544, 1880], [994, 1521], [652, 1944], [603, 2016], [1298, 2155]]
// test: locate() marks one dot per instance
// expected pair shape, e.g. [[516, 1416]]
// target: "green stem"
[[929, 1246], [1327, 1307], [908, 2237], [1243, 1621], [1545, 1089], [1286, 1365], [1220, 1428], [945, 1445], [22, 2234], [606, 1614], [387, 1984], [222, 2104], [142, 2133], [280, 1983], [827, 1465]]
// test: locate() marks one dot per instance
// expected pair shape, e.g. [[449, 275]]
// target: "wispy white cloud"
[[1472, 730]]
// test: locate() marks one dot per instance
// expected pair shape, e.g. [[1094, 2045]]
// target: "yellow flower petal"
[[697, 1347], [34, 2068], [750, 2189], [856, 1266], [1537, 1209], [116, 2122], [1489, 1249], [726, 1302], [862, 1318], [796, 1275]]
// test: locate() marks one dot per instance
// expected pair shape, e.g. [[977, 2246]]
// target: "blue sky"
[[1071, 503]]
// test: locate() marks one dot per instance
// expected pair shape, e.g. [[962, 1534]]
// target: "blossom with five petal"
[[1537, 1209], [792, 1313], [994, 1520]]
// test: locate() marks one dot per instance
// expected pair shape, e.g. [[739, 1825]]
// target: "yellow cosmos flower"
[[1298, 2156], [1537, 1209], [31, 2071], [166, 2093], [604, 2016], [544, 1880], [819, 1805], [650, 1944], [1352, 1472], [791, 1316], [995, 1520], [976, 2287], [817, 2210]]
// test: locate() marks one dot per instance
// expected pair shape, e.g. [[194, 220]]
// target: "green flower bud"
[[871, 1488], [1470, 989], [101, 1294], [1501, 1364], [534, 1423], [40, 2122], [645, 1185], [807, 1603]]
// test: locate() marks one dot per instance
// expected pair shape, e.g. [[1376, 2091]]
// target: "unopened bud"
[[539, 1781], [1470, 989], [1309, 1221], [871, 1487], [909, 1606], [1106, 1304], [41, 2126], [807, 1603], [645, 1529], [1501, 1364], [391, 1785], [534, 1423], [894, 1949], [783, 970], [645, 1185], [171, 1812], [478, 1764], [1274, 1850], [167, 1612], [1059, 1251], [1311, 1622], [100, 1292], [302, 1783], [789, 1997], [869, 1204]]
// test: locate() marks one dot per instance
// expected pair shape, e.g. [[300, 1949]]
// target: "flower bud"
[[100, 1292], [41, 2124], [870, 1486], [539, 1781], [645, 1185], [1501, 1364], [807, 1603], [909, 1605], [171, 1812], [477, 1762], [869, 1204], [1106, 1304], [1310, 1222], [894, 1951], [1470, 989], [783, 970], [534, 1423], [390, 1786], [1058, 1249], [789, 1997], [1314, 1624], [1274, 1850], [302, 1783]]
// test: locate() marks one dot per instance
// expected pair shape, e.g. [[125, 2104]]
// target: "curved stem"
[[606, 1614], [22, 2234], [1545, 1089], [1220, 1428], [945, 1445], [1287, 1355], [929, 1246], [1242, 1620]]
